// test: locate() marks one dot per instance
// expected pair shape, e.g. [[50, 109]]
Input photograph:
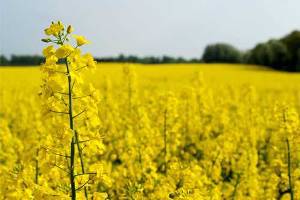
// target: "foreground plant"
[[290, 122], [71, 107]]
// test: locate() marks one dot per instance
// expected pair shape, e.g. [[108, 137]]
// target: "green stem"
[[291, 191], [81, 161], [235, 187], [72, 165], [37, 167], [72, 156], [75, 137]]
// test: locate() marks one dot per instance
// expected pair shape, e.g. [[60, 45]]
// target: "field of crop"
[[167, 131]]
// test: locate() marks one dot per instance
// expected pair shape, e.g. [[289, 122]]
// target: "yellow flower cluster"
[[149, 133], [55, 29], [71, 137], [71, 107]]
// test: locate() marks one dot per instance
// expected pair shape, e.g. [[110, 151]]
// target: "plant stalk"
[[291, 191], [72, 156], [81, 161]]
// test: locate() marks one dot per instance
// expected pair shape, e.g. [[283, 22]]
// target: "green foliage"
[[3, 60], [221, 53], [273, 53], [292, 42], [148, 59], [26, 60], [280, 54]]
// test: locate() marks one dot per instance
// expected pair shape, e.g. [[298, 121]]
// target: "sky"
[[147, 27]]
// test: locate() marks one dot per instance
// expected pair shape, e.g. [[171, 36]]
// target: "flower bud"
[[46, 40], [70, 29]]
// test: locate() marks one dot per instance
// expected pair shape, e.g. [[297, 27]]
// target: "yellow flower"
[[56, 83], [80, 40], [49, 51], [100, 196], [51, 60], [90, 62], [64, 51], [54, 29]]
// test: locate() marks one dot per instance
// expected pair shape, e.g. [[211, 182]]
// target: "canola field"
[[184, 131]]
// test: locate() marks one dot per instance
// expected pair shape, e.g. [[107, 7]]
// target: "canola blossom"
[[71, 107], [130, 131]]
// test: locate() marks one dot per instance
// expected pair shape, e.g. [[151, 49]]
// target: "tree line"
[[29, 60], [280, 54]]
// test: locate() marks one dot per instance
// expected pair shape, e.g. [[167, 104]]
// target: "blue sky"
[[148, 27]]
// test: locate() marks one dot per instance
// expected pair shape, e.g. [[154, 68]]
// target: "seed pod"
[[70, 29], [46, 40]]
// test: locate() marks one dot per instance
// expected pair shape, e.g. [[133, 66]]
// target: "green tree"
[[292, 42], [272, 53], [221, 52], [3, 60]]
